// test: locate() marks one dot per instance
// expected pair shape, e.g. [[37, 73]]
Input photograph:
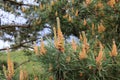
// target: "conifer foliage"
[[94, 57]]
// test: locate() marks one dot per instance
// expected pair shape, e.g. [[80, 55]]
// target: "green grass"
[[19, 57]]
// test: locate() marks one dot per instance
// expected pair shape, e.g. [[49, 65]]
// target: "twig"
[[22, 64]]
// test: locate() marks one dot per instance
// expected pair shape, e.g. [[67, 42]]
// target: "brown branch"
[[14, 47], [20, 45], [17, 25], [13, 26], [17, 3]]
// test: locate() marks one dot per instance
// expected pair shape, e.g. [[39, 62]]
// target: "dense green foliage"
[[67, 65], [92, 58]]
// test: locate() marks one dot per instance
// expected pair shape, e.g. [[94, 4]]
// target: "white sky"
[[4, 44], [8, 18]]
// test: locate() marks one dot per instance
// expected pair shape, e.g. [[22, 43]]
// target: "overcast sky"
[[8, 18]]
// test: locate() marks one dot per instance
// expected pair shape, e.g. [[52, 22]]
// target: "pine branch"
[[13, 26], [20, 26], [17, 3], [20, 45], [22, 63]]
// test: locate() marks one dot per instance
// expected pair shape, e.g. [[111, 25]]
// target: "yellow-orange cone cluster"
[[99, 58], [52, 3], [36, 78], [82, 54], [85, 41], [73, 1], [81, 74], [23, 75], [80, 37], [101, 28], [23, 9], [87, 2], [56, 13], [114, 52], [111, 3], [84, 22], [35, 48], [10, 66], [42, 48], [100, 5], [65, 16], [70, 18], [93, 29], [74, 45], [76, 13], [51, 78], [59, 39], [41, 6], [38, 21], [55, 36]]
